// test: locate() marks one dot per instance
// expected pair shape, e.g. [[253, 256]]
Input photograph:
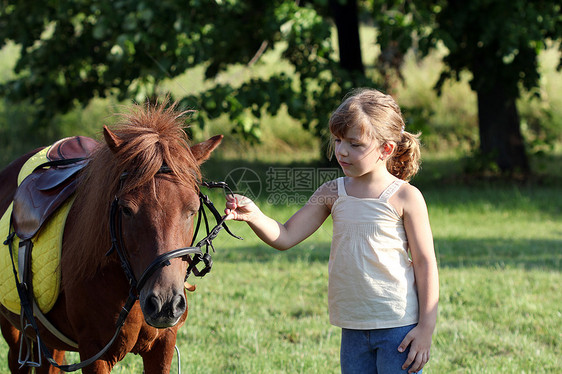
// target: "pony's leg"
[[97, 367], [158, 359], [58, 356], [89, 349], [12, 337]]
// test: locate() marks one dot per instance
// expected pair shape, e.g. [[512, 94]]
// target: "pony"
[[157, 215]]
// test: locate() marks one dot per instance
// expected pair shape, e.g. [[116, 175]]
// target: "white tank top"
[[371, 277]]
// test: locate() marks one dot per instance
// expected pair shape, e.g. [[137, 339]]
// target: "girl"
[[384, 300]]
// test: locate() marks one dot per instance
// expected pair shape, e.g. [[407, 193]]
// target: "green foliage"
[[310, 94], [498, 41], [16, 123], [73, 51]]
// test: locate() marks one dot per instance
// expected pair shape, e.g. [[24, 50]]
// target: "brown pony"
[[157, 211]]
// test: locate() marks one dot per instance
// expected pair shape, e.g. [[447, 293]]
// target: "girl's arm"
[[420, 242], [281, 236]]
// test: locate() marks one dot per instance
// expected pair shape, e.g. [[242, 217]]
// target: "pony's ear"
[[202, 151], [111, 139]]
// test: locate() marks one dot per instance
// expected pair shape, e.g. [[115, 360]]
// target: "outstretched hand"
[[419, 341], [239, 208]]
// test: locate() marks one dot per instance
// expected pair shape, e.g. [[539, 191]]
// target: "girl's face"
[[357, 155]]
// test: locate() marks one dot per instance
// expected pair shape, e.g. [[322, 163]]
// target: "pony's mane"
[[152, 136]]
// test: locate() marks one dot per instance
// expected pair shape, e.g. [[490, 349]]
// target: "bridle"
[[164, 259], [136, 286]]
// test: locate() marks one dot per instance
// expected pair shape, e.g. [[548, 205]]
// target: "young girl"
[[385, 302]]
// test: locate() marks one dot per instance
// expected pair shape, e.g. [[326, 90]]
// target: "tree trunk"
[[500, 133], [347, 24]]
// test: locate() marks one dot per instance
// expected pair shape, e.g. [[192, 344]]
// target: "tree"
[[498, 41], [72, 51], [346, 17]]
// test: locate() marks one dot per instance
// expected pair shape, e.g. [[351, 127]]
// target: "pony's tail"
[[406, 159]]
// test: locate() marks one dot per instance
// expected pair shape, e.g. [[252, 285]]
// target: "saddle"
[[49, 185]]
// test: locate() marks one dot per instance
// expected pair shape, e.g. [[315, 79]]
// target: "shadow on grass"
[[262, 253], [500, 253], [446, 192], [453, 172], [433, 172], [540, 195], [492, 253], [219, 169]]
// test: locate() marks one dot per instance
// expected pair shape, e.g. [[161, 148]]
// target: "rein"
[[135, 285]]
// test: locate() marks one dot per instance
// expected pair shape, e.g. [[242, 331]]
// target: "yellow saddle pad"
[[45, 255]]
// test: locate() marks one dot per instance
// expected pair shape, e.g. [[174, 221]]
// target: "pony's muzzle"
[[162, 313]]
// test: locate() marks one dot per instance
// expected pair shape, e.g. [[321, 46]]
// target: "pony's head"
[[156, 209]]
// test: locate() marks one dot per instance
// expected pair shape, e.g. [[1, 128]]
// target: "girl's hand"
[[239, 208], [280, 236], [419, 340]]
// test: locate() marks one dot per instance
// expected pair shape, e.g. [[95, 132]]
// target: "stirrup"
[[28, 360]]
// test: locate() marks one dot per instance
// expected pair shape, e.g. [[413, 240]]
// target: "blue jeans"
[[373, 351]]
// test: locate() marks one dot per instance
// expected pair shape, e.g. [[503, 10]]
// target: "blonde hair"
[[380, 118]]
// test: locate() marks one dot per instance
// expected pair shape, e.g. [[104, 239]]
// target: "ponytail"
[[406, 159]]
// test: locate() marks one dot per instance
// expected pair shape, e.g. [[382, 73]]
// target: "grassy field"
[[499, 249]]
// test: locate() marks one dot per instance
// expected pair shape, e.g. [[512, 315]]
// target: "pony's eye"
[[126, 211]]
